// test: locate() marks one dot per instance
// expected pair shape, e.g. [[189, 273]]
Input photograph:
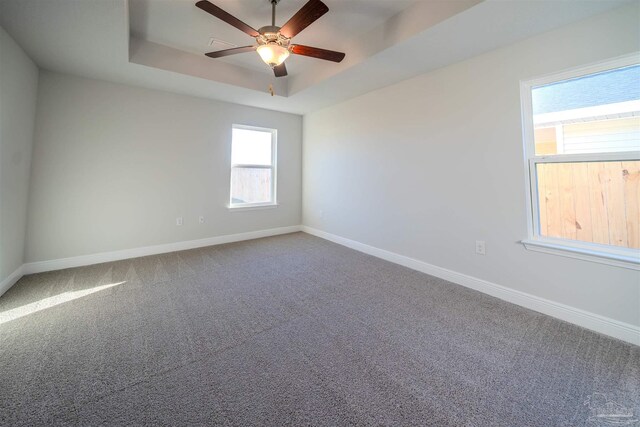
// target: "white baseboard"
[[11, 280], [59, 264], [594, 322]]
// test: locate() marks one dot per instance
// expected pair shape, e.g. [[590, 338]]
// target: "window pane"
[[251, 147], [591, 201], [251, 185], [597, 113]]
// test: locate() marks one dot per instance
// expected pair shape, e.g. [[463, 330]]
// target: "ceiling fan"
[[273, 42]]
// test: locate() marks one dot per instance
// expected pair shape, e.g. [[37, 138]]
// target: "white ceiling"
[[385, 40]]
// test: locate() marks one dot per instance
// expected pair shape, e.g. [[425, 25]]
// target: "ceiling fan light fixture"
[[273, 54]]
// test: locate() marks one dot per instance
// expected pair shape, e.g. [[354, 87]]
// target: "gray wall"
[[18, 89], [425, 167], [114, 165]]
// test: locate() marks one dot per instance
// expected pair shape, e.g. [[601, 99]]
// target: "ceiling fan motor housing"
[[270, 34]]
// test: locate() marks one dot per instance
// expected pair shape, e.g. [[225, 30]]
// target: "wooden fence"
[[593, 202], [250, 185]]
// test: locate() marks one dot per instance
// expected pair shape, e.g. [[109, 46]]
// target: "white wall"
[[427, 166], [18, 89], [113, 166]]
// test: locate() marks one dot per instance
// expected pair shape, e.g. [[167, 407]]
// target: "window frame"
[[273, 166], [595, 252]]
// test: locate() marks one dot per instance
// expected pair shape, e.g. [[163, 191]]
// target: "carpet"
[[295, 330]]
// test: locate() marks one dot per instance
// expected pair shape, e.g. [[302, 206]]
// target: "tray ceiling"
[[159, 44]]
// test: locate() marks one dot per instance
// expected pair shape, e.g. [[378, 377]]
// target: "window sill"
[[252, 207], [620, 258]]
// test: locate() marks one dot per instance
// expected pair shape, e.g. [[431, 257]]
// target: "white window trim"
[[274, 171], [605, 254]]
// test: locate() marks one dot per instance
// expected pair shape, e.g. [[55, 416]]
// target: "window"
[[582, 146], [253, 167]]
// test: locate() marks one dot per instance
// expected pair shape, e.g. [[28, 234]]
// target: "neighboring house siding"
[[602, 136]]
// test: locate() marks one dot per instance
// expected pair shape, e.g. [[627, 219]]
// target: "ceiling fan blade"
[[232, 51], [226, 17], [316, 52], [280, 70], [311, 11]]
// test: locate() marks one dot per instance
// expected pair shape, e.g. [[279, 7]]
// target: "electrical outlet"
[[179, 220], [201, 219], [480, 247], [321, 213]]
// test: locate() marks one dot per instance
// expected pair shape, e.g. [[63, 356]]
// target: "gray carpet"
[[295, 330]]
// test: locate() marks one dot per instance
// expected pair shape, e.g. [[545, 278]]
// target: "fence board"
[[615, 204], [584, 227], [599, 216], [631, 175], [542, 197], [567, 205], [552, 198]]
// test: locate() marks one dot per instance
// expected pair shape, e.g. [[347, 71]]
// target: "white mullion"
[[621, 156], [245, 166]]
